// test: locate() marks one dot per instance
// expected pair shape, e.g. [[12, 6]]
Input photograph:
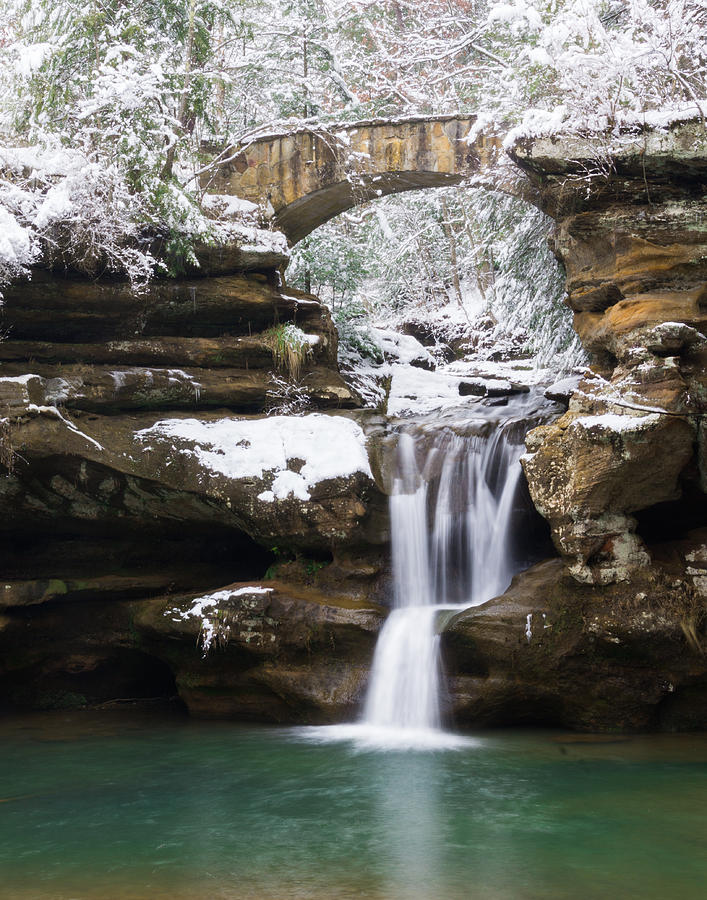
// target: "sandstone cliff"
[[140, 472], [631, 234], [614, 638]]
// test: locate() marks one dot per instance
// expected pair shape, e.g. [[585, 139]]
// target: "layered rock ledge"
[[146, 465], [630, 213]]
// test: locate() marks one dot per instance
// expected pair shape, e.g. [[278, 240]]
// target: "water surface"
[[104, 805]]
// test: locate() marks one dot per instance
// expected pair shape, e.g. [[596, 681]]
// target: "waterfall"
[[404, 689], [451, 515], [460, 530]]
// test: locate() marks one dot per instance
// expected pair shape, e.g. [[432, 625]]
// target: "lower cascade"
[[456, 516]]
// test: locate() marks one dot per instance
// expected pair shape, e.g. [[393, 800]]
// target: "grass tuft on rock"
[[290, 349]]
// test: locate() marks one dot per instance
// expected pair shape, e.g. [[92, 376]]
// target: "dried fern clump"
[[290, 349]]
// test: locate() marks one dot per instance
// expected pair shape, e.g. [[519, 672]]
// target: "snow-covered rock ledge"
[[289, 455], [658, 144]]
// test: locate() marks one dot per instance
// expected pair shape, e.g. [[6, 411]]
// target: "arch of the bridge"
[[308, 176], [306, 213]]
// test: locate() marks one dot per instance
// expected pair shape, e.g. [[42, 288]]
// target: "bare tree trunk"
[[428, 264], [184, 99], [305, 73], [398, 15], [477, 262], [452, 241]]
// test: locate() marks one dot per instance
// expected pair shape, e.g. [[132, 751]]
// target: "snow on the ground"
[[16, 247], [401, 348], [43, 162], [402, 388], [450, 321], [416, 391], [330, 446], [520, 371]]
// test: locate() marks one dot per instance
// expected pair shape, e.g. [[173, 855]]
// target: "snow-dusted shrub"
[[355, 334], [285, 397], [90, 221], [18, 247], [526, 294]]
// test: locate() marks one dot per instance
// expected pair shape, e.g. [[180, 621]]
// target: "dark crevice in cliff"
[[604, 362], [673, 519], [520, 711], [82, 675], [89, 562], [533, 534]]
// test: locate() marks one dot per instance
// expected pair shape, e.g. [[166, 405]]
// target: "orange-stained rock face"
[[616, 327], [633, 239]]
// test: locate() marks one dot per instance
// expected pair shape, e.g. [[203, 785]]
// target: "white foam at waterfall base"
[[363, 736], [405, 674]]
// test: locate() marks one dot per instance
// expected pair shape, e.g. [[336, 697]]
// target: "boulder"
[[139, 469], [272, 652], [628, 656], [588, 473]]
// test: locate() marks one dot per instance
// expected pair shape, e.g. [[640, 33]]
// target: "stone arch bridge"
[[307, 176]]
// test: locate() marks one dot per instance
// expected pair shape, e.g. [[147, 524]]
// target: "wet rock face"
[[271, 652], [623, 657], [630, 232], [277, 652], [139, 468]]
